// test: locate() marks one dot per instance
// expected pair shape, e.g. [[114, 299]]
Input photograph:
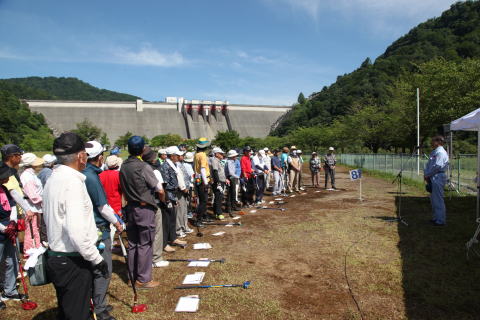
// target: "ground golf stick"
[[136, 308], [222, 224], [204, 260], [199, 234], [267, 208], [26, 303], [245, 285]]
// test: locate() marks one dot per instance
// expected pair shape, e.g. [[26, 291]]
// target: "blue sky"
[[248, 51]]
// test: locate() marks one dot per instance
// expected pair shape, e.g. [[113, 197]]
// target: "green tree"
[[122, 141], [166, 140], [227, 140], [104, 139], [301, 98], [88, 131]]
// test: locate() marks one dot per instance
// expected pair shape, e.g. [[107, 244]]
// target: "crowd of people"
[[75, 201]]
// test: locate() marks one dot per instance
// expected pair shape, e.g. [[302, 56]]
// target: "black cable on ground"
[[346, 276]]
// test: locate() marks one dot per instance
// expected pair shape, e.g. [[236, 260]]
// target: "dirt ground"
[[318, 259]]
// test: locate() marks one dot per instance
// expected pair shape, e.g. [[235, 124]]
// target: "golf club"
[[136, 308], [26, 303], [92, 308], [245, 285], [202, 260]]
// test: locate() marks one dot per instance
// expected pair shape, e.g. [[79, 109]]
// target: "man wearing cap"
[[277, 173], [71, 229], [294, 170], [183, 195], [140, 188], [202, 179], [247, 177], [284, 162], [315, 170], [267, 159], [261, 170], [46, 172], [172, 178], [12, 156], [33, 190], [329, 162], [232, 176], [104, 216], [162, 156], [219, 181], [8, 233]]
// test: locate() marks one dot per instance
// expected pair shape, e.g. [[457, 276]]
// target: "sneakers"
[[181, 234], [188, 230], [179, 242], [169, 248], [14, 297], [104, 315], [146, 285]]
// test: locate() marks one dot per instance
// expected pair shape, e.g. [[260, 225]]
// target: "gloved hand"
[[102, 267], [219, 188], [11, 231]]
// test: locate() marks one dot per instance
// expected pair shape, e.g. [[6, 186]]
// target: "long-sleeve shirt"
[[68, 214], [438, 162], [218, 171], [258, 165], [170, 179], [44, 174], [246, 166], [33, 189], [230, 169], [329, 160]]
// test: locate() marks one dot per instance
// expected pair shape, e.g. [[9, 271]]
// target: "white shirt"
[[33, 189], [68, 213], [257, 161]]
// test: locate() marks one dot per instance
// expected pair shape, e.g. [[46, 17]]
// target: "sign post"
[[357, 175]]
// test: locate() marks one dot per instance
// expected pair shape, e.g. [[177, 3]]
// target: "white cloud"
[[147, 56]]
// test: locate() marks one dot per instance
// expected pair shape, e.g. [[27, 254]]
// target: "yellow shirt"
[[201, 161], [13, 184]]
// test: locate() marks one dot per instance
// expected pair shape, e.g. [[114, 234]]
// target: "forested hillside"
[[60, 89], [439, 56]]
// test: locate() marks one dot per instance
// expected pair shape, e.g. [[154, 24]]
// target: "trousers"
[[260, 187], [72, 279], [182, 210], [293, 180], [247, 195], [8, 254], [100, 282], [158, 243], [202, 193], [141, 233], [436, 197], [169, 223], [277, 182], [218, 201], [329, 172], [232, 194]]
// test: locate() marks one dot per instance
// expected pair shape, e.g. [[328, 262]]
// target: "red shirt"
[[110, 180], [246, 166]]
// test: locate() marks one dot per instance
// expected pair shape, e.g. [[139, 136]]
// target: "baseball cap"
[[331, 149], [266, 149], [6, 172], [68, 143], [49, 159], [261, 152], [174, 150], [30, 159], [299, 151], [232, 153], [95, 149], [136, 145], [10, 149], [162, 151], [247, 148], [217, 150]]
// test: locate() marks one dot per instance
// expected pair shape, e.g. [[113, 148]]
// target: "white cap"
[[217, 150], [162, 151], [113, 161], [174, 150], [30, 159], [331, 149], [294, 152], [262, 152], [49, 159], [266, 149], [299, 151], [188, 157], [232, 153], [95, 150]]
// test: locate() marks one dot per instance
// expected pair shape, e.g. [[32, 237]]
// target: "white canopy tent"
[[471, 122]]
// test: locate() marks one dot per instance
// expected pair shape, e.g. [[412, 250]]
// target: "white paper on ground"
[[194, 278], [198, 264], [271, 202], [203, 245], [318, 191], [229, 225], [236, 218], [278, 199], [188, 304], [253, 211], [218, 233], [162, 263], [292, 196]]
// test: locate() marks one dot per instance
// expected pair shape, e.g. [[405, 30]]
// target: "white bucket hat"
[[217, 150], [232, 153], [188, 157], [174, 150], [31, 160]]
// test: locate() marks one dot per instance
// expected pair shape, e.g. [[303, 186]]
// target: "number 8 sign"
[[355, 174]]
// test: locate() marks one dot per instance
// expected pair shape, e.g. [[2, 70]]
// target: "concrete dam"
[[188, 118]]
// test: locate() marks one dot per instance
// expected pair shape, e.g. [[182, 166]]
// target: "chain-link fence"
[[461, 174]]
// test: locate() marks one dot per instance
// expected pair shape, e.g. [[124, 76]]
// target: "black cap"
[[247, 148], [10, 149], [6, 171], [69, 143]]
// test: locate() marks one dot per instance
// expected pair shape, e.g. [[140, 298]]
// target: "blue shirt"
[[44, 174], [238, 168], [284, 160], [96, 192], [276, 162], [438, 162]]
